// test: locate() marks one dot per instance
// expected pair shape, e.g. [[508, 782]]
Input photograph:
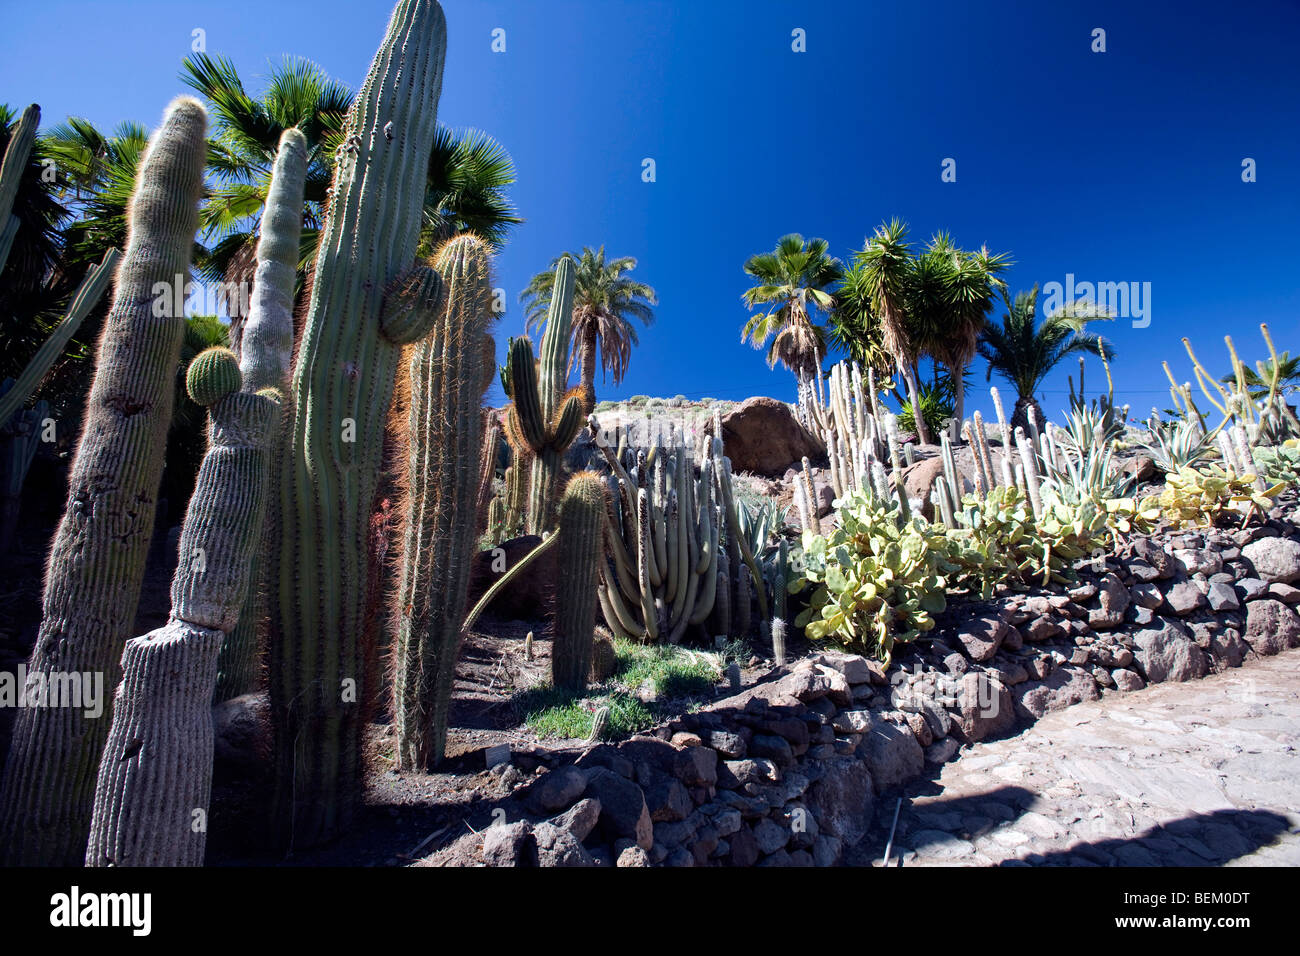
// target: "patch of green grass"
[[550, 712], [672, 671]]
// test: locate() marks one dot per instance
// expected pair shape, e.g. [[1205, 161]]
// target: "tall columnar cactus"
[[544, 419], [97, 561], [581, 553], [151, 799], [265, 360], [12, 168], [342, 387], [449, 372]]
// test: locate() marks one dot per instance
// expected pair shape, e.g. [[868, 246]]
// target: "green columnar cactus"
[[487, 465], [87, 297], [544, 419], [265, 360], [445, 436], [12, 168], [581, 554], [20, 436], [158, 768], [342, 387], [97, 559]]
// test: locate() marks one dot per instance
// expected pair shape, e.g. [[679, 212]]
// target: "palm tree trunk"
[[913, 396], [588, 366]]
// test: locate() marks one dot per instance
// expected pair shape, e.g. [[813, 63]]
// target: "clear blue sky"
[[1116, 166]]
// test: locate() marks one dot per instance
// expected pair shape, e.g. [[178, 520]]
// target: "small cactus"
[[581, 553], [212, 376], [604, 659]]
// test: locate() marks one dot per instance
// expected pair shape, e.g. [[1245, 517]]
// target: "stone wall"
[[788, 771]]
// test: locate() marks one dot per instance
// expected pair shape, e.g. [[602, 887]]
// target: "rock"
[[1286, 593], [556, 846], [1228, 647], [744, 848], [1041, 629], [1114, 599], [1199, 560], [1271, 626], [1062, 688], [1252, 588], [920, 729], [919, 478], [1169, 653], [510, 844], [842, 799], [1184, 597], [1223, 597], [727, 744], [633, 856], [1146, 595], [774, 748], [623, 812], [814, 681], [736, 773], [855, 668], [241, 735], [1142, 468], [984, 707], [530, 593], [982, 636], [892, 753], [1126, 680], [941, 751], [580, 819], [770, 836], [667, 800], [853, 721], [1156, 557], [762, 436], [1274, 559], [557, 789], [827, 850]]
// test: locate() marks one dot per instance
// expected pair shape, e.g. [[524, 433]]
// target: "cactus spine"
[[448, 377], [265, 360], [97, 560], [342, 386], [581, 554], [544, 419]]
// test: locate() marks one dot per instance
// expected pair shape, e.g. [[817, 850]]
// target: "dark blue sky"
[[1123, 166]]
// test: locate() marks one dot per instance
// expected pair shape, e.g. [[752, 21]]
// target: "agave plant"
[[1179, 444], [1079, 461]]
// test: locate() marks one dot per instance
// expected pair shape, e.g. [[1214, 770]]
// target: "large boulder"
[[529, 594], [1271, 627], [983, 707], [1274, 559], [1062, 688], [762, 436], [843, 800], [1169, 653], [919, 478]]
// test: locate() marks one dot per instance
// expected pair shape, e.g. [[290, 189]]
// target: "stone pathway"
[[1205, 773]]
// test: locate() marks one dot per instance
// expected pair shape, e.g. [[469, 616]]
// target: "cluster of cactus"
[[1195, 497], [1280, 463], [678, 557], [97, 559], [544, 418]]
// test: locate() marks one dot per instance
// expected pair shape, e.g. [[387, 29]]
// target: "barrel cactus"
[[212, 376]]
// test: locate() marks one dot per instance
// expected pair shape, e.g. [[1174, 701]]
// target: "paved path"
[[1205, 773]]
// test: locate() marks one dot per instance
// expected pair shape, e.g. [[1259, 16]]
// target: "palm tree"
[[1024, 353], [890, 283], [957, 289], [1285, 373], [468, 173], [854, 326], [792, 282], [605, 300]]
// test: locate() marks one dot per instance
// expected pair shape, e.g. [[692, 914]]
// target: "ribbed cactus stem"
[[950, 473], [581, 549], [939, 494], [448, 377], [983, 452], [1029, 461], [97, 560], [342, 389], [644, 560], [153, 786], [19, 149], [778, 641]]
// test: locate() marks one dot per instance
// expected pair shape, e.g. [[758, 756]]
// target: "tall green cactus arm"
[[581, 554], [449, 373], [11, 173], [342, 388], [266, 348], [97, 560], [154, 783], [265, 355], [88, 294]]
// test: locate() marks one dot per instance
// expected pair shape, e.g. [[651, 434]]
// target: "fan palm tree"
[[468, 173], [955, 293], [792, 282], [1284, 374], [605, 301], [1024, 353]]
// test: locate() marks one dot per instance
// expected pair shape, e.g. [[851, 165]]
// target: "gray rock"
[[1286, 593], [984, 707], [633, 856], [1223, 597], [510, 844], [1113, 598], [1169, 654], [1184, 597], [1040, 629], [770, 836], [1271, 626], [1274, 559], [892, 753], [1198, 560], [842, 800], [580, 819], [1155, 556], [774, 748], [854, 667], [557, 789], [1146, 595], [982, 636], [1126, 680], [726, 743], [623, 811], [736, 773], [557, 846], [1064, 687], [1252, 588], [826, 850], [941, 751]]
